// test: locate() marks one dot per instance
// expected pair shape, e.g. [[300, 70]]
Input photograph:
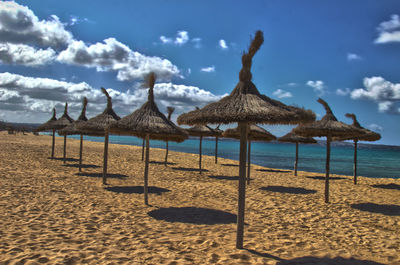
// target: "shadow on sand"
[[323, 177], [274, 170], [386, 209], [225, 177], [264, 255], [327, 261], [68, 159], [188, 169], [291, 190], [161, 163], [193, 215], [136, 189], [390, 186], [82, 166], [100, 175], [230, 165]]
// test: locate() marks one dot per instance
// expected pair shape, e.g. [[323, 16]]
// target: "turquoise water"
[[373, 161]]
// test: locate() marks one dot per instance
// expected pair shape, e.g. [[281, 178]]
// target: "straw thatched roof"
[[368, 134], [292, 137], [149, 120], [64, 120], [246, 104], [48, 125], [97, 125], [201, 130], [256, 133], [72, 128], [327, 126]]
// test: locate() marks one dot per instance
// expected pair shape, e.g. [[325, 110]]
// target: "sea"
[[375, 161]]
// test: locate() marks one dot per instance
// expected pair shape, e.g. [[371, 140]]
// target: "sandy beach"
[[50, 214]]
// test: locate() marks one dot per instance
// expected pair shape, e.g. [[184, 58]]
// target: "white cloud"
[[113, 55], [343, 92], [389, 31], [282, 94], [31, 99], [165, 40], [18, 24], [209, 69], [318, 86], [375, 127], [222, 44], [386, 94], [353, 57], [25, 55], [197, 42], [181, 37]]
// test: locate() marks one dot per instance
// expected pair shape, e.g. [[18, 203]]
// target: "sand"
[[51, 214]]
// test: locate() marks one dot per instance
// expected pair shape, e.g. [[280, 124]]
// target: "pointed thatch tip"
[[354, 118], [66, 108], [245, 73], [326, 106], [150, 81], [54, 112], [170, 110], [109, 103]]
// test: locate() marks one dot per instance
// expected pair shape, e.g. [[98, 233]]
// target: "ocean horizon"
[[374, 161]]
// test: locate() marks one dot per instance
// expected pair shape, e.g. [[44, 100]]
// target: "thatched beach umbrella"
[[368, 136], [61, 123], [97, 126], [246, 105], [149, 123], [48, 126], [291, 137], [200, 131], [72, 129], [170, 110], [219, 134], [254, 133], [329, 127]]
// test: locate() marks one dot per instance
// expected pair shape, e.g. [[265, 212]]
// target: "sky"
[[346, 52]]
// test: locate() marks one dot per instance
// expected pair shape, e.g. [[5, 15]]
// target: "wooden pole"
[[328, 157], [143, 150], [166, 154], [80, 153], [201, 140], [216, 150], [297, 159], [242, 184], [105, 157], [65, 148], [146, 172], [53, 144], [355, 161], [248, 161]]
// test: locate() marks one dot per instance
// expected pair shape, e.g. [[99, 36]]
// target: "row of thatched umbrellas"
[[244, 106]]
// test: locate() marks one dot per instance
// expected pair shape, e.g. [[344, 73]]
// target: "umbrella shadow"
[[230, 165], [224, 177], [100, 175], [323, 177], [291, 190], [264, 255], [193, 215], [82, 166], [327, 261], [188, 169], [136, 189], [386, 209], [69, 159], [161, 163], [273, 170], [390, 186]]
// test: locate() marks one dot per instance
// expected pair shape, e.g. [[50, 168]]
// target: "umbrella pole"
[[65, 148], [80, 153], [355, 162], [242, 184], [166, 154], [248, 162], [146, 172], [201, 140], [216, 150], [53, 144], [297, 159], [143, 150], [328, 157], [105, 157]]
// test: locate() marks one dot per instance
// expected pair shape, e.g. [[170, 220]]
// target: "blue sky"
[[346, 52]]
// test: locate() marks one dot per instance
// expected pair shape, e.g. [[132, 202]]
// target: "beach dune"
[[52, 214]]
